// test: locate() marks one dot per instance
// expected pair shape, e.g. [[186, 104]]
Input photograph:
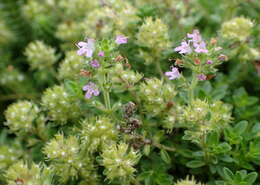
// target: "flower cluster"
[[124, 79], [204, 117], [22, 116], [66, 158], [154, 35], [39, 55], [156, 95], [9, 154], [194, 42], [188, 181], [98, 134], [21, 173], [118, 161], [60, 106], [71, 66], [238, 28]]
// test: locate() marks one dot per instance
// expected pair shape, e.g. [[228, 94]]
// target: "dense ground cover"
[[154, 92]]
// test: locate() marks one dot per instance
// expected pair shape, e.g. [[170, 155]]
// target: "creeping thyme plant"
[[129, 92]]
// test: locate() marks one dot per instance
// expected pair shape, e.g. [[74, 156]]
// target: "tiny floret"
[[91, 89], [173, 74], [86, 48], [121, 39]]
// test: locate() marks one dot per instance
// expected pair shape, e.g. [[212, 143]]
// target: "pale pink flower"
[[173, 74], [184, 48], [121, 39], [91, 89], [86, 48]]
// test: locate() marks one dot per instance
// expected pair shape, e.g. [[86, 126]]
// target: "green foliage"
[[129, 92]]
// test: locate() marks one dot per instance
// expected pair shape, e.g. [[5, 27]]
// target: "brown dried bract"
[[85, 73], [19, 181], [213, 41], [178, 62], [209, 77], [197, 61]]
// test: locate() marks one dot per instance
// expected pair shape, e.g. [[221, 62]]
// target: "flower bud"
[[39, 55], [60, 106], [156, 95], [69, 32], [20, 116], [118, 161], [98, 133], [154, 35], [188, 181], [66, 160], [238, 28], [21, 174], [71, 66], [9, 154]]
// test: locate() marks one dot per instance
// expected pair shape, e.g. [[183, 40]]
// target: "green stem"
[[193, 85], [159, 69], [158, 145], [135, 181], [106, 94]]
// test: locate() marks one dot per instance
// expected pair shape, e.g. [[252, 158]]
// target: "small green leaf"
[[195, 164], [251, 177], [240, 127], [165, 156], [147, 150], [228, 174]]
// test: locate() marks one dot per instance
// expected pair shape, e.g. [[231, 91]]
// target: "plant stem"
[[18, 96], [193, 85], [158, 145], [106, 93], [159, 69], [135, 181]]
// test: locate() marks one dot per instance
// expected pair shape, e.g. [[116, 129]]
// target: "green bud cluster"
[[98, 23], [11, 78], [65, 157], [34, 8], [124, 15], [238, 28], [154, 35], [21, 116], [156, 95], [204, 117], [60, 106], [9, 154], [188, 181], [119, 162], [71, 66], [40, 55], [77, 8], [123, 78], [69, 32], [98, 134], [20, 173], [5, 33]]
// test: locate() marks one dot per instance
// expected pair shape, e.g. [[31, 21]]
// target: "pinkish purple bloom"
[[209, 62], [198, 43], [101, 54], [91, 89], [183, 48], [173, 74], [195, 36], [86, 48], [200, 47], [95, 63], [202, 77], [121, 39]]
